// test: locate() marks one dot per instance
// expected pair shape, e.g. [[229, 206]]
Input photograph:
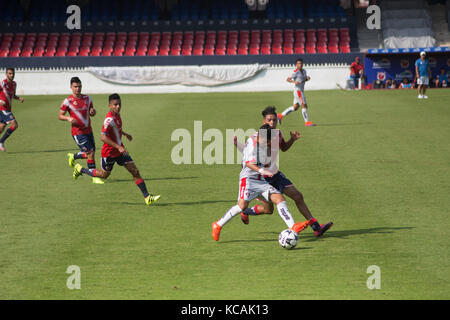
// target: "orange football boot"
[[216, 231], [300, 226]]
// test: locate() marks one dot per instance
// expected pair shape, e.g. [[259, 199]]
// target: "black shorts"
[[108, 163]]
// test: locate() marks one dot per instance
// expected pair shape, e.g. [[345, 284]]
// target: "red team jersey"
[[7, 92], [356, 68], [78, 109], [112, 128]]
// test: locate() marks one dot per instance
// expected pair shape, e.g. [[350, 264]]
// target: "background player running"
[[279, 180], [80, 109], [298, 77], [113, 150], [256, 155], [7, 94]]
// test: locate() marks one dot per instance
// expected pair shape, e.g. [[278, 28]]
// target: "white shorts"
[[299, 97], [250, 189], [423, 81]]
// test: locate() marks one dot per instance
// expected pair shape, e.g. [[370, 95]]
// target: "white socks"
[[305, 114], [288, 110], [284, 213], [229, 215]]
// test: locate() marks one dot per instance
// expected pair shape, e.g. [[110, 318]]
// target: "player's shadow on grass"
[[275, 239], [40, 151], [151, 179], [343, 234]]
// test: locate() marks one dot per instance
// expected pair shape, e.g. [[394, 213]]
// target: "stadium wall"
[[56, 81]]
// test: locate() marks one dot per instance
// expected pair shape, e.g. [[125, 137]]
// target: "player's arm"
[[2, 103], [238, 145], [108, 141], [92, 111], [127, 135], [18, 98], [254, 167], [62, 116], [417, 71], [285, 145]]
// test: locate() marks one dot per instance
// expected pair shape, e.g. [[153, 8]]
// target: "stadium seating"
[[183, 10], [187, 43]]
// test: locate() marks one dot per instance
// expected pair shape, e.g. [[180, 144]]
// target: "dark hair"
[[114, 96], [12, 69], [269, 110], [299, 59], [266, 131], [75, 80]]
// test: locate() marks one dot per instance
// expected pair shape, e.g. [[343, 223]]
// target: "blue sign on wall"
[[383, 64]]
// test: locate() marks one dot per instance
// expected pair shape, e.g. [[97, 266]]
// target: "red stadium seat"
[[277, 50], [209, 51], [153, 52], [333, 49], [220, 51], [288, 50], [254, 50], [265, 50]]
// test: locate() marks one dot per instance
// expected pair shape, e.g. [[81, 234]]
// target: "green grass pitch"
[[377, 164]]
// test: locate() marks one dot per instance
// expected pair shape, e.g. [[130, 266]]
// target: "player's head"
[[114, 103], [10, 73], [75, 85], [299, 63], [358, 59], [423, 55], [265, 135], [270, 116]]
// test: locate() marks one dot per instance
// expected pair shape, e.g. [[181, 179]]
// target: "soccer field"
[[377, 164]]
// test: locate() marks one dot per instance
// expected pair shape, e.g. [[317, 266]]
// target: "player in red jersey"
[[113, 150], [7, 94], [80, 109]]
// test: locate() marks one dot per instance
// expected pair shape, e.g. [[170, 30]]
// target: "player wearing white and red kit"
[[280, 181], [258, 155], [80, 109], [113, 150], [7, 94], [298, 77]]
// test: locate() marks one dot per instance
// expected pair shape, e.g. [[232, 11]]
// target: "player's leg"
[[246, 194], [425, 87], [129, 164], [265, 207], [107, 166], [90, 157], [230, 214], [13, 125], [80, 141], [293, 193], [294, 107], [2, 126], [283, 211]]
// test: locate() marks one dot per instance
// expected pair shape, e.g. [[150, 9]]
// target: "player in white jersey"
[[298, 77], [279, 180], [257, 158]]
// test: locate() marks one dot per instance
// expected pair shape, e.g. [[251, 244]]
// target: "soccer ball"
[[288, 239]]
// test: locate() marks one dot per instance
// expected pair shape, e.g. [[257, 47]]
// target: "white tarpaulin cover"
[[185, 75]]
